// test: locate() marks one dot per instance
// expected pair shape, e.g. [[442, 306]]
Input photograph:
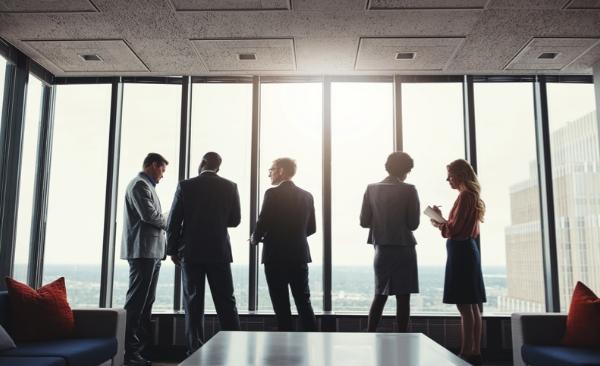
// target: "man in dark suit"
[[143, 246], [203, 208], [286, 219]]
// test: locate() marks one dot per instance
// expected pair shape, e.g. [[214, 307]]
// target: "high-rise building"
[[576, 183]]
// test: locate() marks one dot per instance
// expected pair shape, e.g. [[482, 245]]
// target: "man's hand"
[[175, 259], [253, 240]]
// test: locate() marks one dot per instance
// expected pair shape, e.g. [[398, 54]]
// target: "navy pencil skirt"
[[463, 283]]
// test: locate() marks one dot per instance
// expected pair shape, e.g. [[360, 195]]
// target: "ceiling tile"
[[220, 5], [583, 4], [116, 55], [567, 49], [529, 4], [585, 63], [425, 4], [430, 53], [223, 54], [47, 6]]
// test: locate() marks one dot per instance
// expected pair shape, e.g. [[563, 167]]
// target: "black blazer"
[[391, 211], [203, 208], [286, 219]]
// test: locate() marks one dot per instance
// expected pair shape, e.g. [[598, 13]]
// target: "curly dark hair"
[[399, 163]]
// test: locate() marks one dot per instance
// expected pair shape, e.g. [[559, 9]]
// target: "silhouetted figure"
[[143, 246], [391, 211], [203, 208], [463, 283], [286, 219]]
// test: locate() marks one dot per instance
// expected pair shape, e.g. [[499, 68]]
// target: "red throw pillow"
[[40, 314], [583, 321]]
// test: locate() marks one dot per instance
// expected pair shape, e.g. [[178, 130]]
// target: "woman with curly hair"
[[463, 283]]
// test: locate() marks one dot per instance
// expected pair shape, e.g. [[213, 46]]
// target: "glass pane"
[[218, 127], [2, 79], [576, 183], [362, 138], [511, 247], [433, 133], [33, 110], [291, 126], [77, 190], [151, 121]]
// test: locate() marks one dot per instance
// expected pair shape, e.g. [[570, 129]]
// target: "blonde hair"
[[463, 172]]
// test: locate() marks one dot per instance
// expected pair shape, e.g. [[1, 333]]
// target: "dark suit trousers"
[[143, 277], [279, 276], [221, 286]]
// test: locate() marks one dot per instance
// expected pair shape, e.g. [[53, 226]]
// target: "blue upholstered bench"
[[98, 341], [536, 342]]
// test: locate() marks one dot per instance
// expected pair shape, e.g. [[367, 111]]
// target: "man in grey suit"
[[203, 208], [391, 211], [143, 246]]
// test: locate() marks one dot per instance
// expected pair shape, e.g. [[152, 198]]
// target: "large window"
[[77, 190], [433, 134], [33, 108], [291, 126], [219, 127], [511, 247], [150, 123], [362, 138], [576, 182]]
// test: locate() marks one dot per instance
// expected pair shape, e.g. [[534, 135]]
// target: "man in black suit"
[[286, 219], [197, 239]]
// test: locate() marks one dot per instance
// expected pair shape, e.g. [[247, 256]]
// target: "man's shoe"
[[136, 360]]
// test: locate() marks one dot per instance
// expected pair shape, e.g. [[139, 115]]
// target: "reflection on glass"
[[33, 109], [218, 127], [507, 164], [291, 126], [362, 138], [433, 133], [77, 191], [150, 123], [576, 183]]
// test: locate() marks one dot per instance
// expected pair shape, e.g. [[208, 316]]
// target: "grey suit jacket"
[[143, 222], [391, 211]]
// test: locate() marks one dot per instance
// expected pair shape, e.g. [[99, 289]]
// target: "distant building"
[[576, 183]]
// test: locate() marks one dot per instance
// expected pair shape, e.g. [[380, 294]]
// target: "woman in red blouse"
[[463, 283]]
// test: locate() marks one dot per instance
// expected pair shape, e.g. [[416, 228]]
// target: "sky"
[[291, 117]]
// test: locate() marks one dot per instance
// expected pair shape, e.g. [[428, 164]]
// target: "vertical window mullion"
[[327, 241], [542, 131], [112, 189], [41, 185], [254, 167], [184, 165], [398, 142], [13, 128]]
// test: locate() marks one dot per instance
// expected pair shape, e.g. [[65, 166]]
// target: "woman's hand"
[[435, 223]]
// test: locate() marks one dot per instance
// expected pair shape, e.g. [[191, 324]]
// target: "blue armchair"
[[98, 342], [536, 342]]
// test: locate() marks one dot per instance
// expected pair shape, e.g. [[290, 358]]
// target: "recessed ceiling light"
[[548, 55], [247, 56], [405, 56], [90, 57]]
